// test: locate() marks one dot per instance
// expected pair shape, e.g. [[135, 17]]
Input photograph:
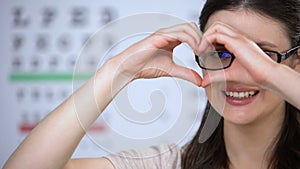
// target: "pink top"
[[154, 157]]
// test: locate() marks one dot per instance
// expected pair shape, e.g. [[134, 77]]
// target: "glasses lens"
[[272, 55], [215, 60]]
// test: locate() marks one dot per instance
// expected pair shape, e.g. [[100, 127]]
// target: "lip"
[[241, 101]]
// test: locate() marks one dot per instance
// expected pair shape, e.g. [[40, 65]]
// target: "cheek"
[[273, 101], [289, 62], [208, 92], [216, 98], [296, 62]]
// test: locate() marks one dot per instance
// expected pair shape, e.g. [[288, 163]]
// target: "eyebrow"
[[260, 44], [265, 43]]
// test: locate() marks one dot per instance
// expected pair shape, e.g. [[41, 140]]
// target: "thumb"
[[213, 76], [186, 74]]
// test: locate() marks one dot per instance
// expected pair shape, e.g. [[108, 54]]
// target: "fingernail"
[[197, 78]]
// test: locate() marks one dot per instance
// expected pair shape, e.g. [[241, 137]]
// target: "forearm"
[[285, 82], [52, 142]]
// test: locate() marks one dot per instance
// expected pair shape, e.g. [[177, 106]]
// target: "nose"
[[236, 71], [235, 65]]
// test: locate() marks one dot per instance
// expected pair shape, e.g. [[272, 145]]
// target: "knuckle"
[[161, 30]]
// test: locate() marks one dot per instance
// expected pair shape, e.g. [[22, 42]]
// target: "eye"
[[225, 55], [272, 55]]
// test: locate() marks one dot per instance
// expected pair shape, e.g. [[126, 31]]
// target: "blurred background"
[[42, 42]]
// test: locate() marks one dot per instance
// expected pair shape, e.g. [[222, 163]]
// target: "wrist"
[[111, 78], [275, 81], [268, 75]]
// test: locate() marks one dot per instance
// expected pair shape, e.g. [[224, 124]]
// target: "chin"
[[239, 117]]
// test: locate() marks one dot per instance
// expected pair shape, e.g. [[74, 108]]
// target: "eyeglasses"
[[222, 59]]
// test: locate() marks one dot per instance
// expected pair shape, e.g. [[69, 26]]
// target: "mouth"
[[241, 94], [240, 97]]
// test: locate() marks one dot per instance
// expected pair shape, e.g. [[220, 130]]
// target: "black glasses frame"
[[283, 56], [280, 57]]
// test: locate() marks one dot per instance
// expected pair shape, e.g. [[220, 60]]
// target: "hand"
[[152, 57], [252, 63]]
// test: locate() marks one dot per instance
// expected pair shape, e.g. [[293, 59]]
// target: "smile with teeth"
[[241, 95]]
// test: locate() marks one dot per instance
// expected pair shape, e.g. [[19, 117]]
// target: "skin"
[[151, 58]]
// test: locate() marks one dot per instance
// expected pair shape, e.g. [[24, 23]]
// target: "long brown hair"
[[212, 153]]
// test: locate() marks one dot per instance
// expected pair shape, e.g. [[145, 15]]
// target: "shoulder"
[[161, 156]]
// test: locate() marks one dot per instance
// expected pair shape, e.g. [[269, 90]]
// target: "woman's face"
[[265, 105]]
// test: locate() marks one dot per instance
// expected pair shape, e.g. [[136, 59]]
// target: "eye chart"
[[42, 42]]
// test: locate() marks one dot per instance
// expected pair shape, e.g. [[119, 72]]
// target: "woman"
[[259, 103]]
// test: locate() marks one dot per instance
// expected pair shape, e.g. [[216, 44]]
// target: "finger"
[[206, 44], [226, 35], [214, 76], [220, 33], [205, 47], [248, 54], [245, 50], [189, 29], [186, 74], [187, 38], [196, 28], [171, 40], [219, 27]]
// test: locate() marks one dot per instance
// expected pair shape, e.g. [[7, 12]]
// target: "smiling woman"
[[251, 105], [257, 94]]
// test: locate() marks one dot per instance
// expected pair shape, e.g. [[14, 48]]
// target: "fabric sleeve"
[[155, 157]]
